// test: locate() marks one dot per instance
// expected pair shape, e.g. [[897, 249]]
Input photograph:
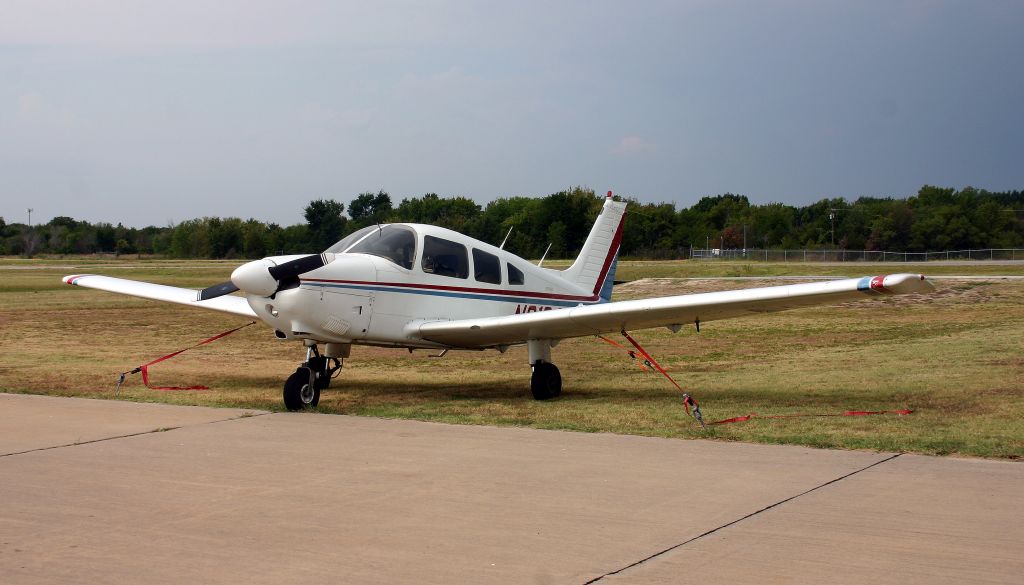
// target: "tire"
[[298, 394], [546, 382]]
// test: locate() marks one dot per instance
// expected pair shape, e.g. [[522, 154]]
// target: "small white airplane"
[[418, 286]]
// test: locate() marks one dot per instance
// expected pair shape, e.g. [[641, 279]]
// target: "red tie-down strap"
[[649, 361], [144, 368], [847, 413], [689, 402], [643, 365]]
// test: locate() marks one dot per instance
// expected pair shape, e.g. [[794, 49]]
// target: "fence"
[[854, 255]]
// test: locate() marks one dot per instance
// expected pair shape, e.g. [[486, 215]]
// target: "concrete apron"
[[229, 498]]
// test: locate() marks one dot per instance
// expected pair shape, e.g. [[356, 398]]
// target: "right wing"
[[159, 292], [618, 316]]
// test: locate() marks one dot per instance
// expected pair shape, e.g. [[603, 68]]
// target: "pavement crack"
[[741, 519], [126, 436]]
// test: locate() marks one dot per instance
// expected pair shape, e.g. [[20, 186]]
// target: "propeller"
[[264, 277], [293, 268]]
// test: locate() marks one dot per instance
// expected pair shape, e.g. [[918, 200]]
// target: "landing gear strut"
[[302, 389]]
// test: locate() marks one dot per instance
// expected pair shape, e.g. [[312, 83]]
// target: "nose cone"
[[254, 278]]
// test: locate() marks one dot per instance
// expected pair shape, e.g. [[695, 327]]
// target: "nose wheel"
[[302, 388]]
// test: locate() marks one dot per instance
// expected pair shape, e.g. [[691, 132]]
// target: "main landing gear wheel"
[[298, 392], [546, 382]]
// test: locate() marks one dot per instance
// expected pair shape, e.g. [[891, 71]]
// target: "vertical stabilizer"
[[594, 269]]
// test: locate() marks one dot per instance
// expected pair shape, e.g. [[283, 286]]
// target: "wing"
[[158, 292], [656, 312]]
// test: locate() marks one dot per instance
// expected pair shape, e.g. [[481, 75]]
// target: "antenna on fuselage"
[[502, 246], [541, 261]]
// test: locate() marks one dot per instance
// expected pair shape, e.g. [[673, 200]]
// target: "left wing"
[[159, 292], [586, 320]]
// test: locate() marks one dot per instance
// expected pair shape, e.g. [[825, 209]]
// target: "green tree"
[[325, 224], [369, 208]]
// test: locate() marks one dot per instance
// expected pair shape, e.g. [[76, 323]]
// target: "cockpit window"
[[346, 242], [394, 242], [445, 258]]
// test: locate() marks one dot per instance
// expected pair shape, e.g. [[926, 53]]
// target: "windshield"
[[346, 242], [394, 242]]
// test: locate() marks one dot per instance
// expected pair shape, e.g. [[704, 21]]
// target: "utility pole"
[[744, 239]]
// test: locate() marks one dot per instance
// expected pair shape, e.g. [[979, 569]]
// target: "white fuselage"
[[368, 299]]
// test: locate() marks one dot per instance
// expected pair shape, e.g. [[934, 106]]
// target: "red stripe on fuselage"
[[490, 291]]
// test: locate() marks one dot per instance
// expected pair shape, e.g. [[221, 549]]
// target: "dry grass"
[[955, 357]]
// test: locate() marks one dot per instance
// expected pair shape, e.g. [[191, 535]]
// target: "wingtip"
[[907, 283]]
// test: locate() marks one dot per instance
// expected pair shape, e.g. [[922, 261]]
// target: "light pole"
[[30, 217], [832, 220]]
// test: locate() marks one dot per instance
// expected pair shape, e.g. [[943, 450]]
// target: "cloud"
[[143, 25], [33, 110], [634, 146], [317, 114]]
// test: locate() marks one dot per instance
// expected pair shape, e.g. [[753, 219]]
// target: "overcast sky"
[[148, 112]]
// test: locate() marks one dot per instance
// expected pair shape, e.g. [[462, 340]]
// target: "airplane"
[[416, 286]]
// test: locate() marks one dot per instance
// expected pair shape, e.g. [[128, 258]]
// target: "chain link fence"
[[752, 254]]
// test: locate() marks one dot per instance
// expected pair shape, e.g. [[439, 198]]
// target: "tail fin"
[[594, 269]]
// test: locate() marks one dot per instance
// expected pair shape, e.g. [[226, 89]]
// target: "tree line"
[[934, 219]]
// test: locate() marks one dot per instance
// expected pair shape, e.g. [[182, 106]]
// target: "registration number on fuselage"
[[531, 308]]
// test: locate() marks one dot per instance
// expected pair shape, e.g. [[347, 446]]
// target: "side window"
[[396, 243], [445, 258], [486, 267], [515, 276]]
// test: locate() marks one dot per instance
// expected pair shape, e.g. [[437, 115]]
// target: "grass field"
[[956, 357]]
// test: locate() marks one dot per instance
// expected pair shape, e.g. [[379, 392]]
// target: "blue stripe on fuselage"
[[439, 293]]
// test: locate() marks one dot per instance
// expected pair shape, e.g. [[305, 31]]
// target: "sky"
[[153, 112]]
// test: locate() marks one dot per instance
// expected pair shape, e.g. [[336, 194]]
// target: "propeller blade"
[[217, 290], [294, 268], [264, 278]]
